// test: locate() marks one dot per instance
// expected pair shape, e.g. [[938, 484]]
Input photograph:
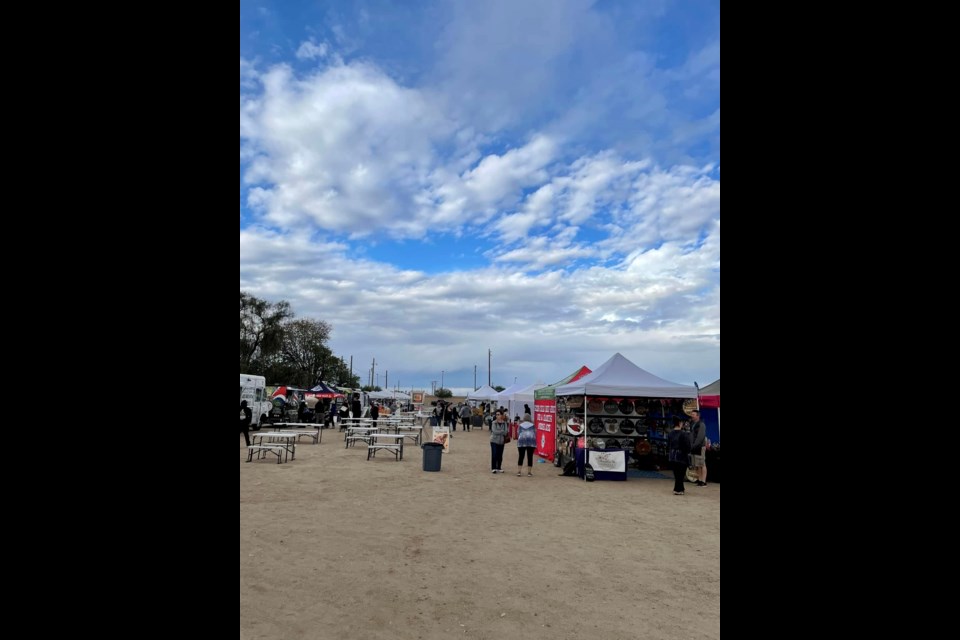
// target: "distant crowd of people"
[[449, 414]]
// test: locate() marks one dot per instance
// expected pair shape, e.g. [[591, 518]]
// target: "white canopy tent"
[[504, 396], [521, 397], [486, 392], [620, 377], [390, 393]]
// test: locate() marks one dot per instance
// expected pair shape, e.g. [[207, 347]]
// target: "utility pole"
[[489, 360], [441, 378], [373, 368], [474, 377], [351, 370], [386, 380]]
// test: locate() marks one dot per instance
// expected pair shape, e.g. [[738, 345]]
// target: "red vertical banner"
[[545, 418]]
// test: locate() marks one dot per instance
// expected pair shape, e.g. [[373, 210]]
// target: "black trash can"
[[432, 452]]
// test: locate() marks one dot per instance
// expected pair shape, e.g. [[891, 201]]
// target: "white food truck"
[[253, 390]]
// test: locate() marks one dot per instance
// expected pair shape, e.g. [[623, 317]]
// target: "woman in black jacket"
[[679, 443], [246, 416]]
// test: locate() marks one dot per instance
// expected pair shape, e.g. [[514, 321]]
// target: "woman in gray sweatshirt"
[[498, 430]]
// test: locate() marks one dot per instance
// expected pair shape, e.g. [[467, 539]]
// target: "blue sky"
[[536, 177]]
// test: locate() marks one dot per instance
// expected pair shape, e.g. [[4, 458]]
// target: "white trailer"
[[253, 390]]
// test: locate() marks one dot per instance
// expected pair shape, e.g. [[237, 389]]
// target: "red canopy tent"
[[710, 400]]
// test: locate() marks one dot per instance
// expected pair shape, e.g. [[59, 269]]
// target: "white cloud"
[[345, 148], [543, 325], [310, 50], [501, 60], [248, 74]]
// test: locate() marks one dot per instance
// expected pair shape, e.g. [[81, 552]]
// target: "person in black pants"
[[498, 430], [246, 416], [356, 408], [679, 443], [526, 444]]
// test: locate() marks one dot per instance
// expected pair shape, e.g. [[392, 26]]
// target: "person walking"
[[465, 415], [678, 442], [246, 416], [498, 429], [526, 443], [450, 412]]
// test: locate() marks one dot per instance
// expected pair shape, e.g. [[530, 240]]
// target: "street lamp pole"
[[489, 360], [441, 378]]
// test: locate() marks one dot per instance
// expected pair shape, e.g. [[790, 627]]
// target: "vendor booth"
[[619, 408]]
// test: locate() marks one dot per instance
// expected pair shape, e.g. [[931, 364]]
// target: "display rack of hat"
[[626, 422], [613, 422]]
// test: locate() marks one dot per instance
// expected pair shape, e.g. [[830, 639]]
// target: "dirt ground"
[[334, 546]]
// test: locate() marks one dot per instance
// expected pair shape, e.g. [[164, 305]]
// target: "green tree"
[[288, 351], [338, 373], [444, 393], [499, 388], [261, 331], [304, 352]]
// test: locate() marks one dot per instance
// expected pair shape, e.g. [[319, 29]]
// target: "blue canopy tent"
[[323, 391]]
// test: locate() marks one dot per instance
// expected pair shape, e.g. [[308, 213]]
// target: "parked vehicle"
[[286, 402], [253, 390]]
